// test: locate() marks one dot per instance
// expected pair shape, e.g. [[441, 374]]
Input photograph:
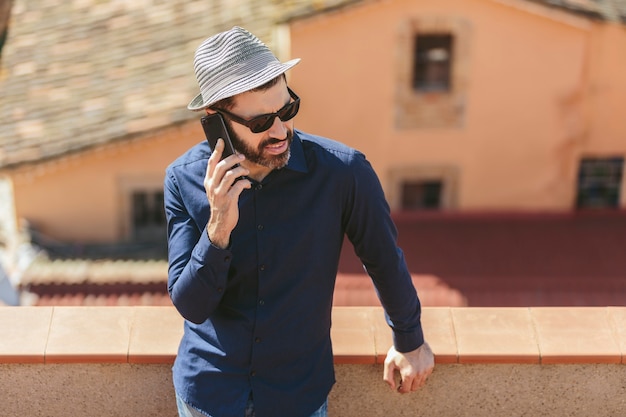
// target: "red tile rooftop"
[[358, 290], [116, 300], [456, 259], [350, 290], [517, 259], [98, 272]]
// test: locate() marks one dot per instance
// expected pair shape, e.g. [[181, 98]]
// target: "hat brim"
[[249, 82]]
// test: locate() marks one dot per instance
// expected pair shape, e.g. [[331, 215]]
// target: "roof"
[[358, 290], [75, 75], [94, 272], [131, 282], [517, 259], [609, 10], [79, 74], [96, 282], [475, 259]]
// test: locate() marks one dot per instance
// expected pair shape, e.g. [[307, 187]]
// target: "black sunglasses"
[[263, 122]]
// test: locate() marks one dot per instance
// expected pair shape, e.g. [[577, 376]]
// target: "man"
[[254, 245]]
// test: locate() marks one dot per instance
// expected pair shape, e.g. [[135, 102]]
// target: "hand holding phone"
[[221, 225]]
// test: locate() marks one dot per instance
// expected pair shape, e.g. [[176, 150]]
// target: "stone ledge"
[[463, 335]]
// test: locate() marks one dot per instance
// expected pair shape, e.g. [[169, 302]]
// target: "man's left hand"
[[414, 367]]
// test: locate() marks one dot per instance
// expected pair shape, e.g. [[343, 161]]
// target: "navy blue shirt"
[[258, 314]]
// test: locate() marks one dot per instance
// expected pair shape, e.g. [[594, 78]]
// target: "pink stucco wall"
[[96, 208], [543, 87], [540, 88]]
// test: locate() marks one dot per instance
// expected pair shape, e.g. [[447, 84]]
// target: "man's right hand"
[[223, 192]]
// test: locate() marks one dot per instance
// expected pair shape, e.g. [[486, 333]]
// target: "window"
[[599, 182], [423, 187], [432, 72], [432, 62], [148, 215], [421, 195]]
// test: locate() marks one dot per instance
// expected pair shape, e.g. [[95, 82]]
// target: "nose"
[[278, 129]]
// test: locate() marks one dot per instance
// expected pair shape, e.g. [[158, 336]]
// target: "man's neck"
[[257, 172]]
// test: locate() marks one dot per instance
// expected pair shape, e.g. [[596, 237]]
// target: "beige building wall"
[[86, 198], [533, 90], [607, 89]]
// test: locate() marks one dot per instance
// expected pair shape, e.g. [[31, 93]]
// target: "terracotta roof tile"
[[131, 283], [455, 260], [70, 271], [136, 299], [358, 290], [76, 75], [611, 10], [517, 259]]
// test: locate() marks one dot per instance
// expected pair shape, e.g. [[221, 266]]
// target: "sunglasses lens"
[[261, 123], [289, 111]]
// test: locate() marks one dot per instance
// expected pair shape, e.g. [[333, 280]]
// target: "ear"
[[209, 110]]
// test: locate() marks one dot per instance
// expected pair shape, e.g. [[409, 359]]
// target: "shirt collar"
[[297, 161]]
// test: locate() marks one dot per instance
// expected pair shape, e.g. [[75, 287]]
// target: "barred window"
[[433, 62], [599, 182], [421, 195], [148, 215]]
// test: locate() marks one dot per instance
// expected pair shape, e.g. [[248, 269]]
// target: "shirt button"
[[259, 186], [257, 340], [226, 258], [220, 289], [253, 373], [262, 267], [262, 302], [260, 227]]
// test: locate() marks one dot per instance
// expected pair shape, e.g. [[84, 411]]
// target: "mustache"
[[274, 141]]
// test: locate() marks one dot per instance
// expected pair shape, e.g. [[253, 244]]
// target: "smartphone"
[[214, 128]]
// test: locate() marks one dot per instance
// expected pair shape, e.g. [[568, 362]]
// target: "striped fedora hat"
[[231, 63]]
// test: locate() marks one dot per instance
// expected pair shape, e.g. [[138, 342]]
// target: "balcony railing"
[[116, 361]]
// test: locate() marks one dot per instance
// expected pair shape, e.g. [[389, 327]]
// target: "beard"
[[256, 155]]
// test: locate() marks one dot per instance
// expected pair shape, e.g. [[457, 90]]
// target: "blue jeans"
[[184, 410]]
